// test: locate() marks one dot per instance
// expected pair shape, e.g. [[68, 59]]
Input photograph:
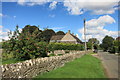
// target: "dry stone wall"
[[33, 67], [56, 52]]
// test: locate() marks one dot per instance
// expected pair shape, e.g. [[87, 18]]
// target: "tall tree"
[[25, 45], [89, 45], [107, 43], [47, 34], [60, 33], [116, 47], [93, 40], [31, 30]]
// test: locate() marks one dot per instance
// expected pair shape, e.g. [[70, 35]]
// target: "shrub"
[[113, 49], [89, 45], [65, 46], [6, 56], [24, 46], [67, 51]]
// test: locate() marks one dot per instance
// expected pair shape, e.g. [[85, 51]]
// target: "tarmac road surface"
[[110, 63]]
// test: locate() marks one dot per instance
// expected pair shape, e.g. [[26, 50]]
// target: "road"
[[110, 63]]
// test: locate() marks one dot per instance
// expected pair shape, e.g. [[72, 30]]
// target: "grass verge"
[[92, 53], [10, 61], [84, 67]]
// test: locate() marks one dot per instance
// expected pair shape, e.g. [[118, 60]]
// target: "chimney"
[[69, 31]]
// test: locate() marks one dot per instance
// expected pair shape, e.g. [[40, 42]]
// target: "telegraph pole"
[[92, 42], [85, 35]]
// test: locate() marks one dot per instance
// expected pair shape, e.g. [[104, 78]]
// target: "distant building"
[[67, 38]]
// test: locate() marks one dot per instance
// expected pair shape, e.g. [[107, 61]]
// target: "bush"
[[24, 46], [67, 51], [113, 49], [65, 46], [89, 45], [6, 56], [26, 49]]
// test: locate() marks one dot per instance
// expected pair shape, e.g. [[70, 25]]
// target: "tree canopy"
[[26, 45], [60, 33], [47, 34], [31, 31], [107, 42], [93, 40]]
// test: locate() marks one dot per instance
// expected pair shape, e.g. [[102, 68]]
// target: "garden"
[[30, 44]]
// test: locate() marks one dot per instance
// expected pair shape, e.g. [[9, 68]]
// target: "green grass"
[[60, 54], [92, 53], [52, 54], [55, 55], [10, 61], [84, 67]]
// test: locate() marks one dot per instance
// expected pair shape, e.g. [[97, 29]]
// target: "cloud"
[[1, 27], [77, 36], [7, 16], [9, 0], [53, 5], [32, 2], [14, 16], [20, 30], [100, 22], [77, 7], [52, 15], [95, 28], [4, 33], [57, 28], [37, 2], [1, 14]]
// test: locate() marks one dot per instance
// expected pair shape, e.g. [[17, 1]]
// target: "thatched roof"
[[57, 37], [68, 37], [77, 39]]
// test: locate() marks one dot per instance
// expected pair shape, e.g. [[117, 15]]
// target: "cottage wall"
[[68, 37]]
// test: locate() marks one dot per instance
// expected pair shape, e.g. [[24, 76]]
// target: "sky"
[[101, 17]]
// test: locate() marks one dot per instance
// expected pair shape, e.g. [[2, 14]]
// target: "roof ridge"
[[76, 38]]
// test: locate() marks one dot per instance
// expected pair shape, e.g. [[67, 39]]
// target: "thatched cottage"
[[67, 38]]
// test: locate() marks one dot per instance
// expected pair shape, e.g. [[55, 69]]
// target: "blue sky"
[[61, 16]]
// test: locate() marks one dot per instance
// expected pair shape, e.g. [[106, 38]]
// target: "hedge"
[[65, 46]]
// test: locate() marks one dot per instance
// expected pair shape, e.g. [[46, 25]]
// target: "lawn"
[[84, 67]]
